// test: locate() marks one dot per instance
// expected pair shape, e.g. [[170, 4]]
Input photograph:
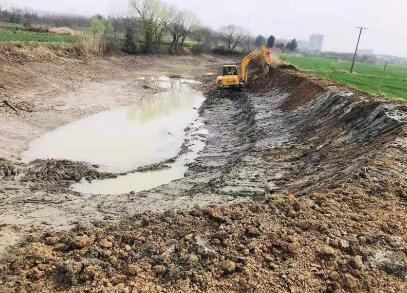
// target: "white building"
[[316, 42]]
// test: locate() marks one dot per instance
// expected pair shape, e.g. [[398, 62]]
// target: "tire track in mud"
[[255, 126]]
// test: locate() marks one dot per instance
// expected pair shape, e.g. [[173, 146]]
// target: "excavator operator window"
[[229, 70]]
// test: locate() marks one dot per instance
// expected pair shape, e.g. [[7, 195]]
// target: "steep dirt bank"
[[322, 171], [348, 137]]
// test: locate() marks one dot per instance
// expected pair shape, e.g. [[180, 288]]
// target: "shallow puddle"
[[139, 181], [125, 139]]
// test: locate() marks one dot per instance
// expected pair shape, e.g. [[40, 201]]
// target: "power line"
[[357, 47]]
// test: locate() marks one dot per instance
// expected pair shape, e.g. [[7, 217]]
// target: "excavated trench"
[[295, 135], [286, 135]]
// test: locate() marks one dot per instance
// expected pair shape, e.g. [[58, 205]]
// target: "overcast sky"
[[336, 19]]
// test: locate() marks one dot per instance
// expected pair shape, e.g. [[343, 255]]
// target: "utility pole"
[[357, 47]]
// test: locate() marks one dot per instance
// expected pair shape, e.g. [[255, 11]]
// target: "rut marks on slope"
[[246, 127], [347, 134]]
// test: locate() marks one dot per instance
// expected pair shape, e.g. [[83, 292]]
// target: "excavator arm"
[[262, 52]]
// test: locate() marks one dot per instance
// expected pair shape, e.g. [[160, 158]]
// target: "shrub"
[[130, 47], [221, 50]]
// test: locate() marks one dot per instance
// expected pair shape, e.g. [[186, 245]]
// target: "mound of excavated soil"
[[15, 52], [324, 171], [64, 31]]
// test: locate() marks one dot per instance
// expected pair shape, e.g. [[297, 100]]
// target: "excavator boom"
[[262, 52]]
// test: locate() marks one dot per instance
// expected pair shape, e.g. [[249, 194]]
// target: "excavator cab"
[[229, 70], [229, 78]]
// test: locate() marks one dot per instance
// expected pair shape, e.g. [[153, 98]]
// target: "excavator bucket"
[[259, 66]]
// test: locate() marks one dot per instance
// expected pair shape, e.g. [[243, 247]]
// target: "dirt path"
[[301, 187]]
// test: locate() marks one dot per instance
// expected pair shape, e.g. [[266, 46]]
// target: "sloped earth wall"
[[315, 176]]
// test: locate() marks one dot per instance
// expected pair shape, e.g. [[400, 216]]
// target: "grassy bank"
[[366, 77]]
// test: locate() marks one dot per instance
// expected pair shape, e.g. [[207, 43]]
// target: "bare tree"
[[202, 36], [280, 45], [175, 27], [260, 41], [160, 26], [249, 43], [28, 16], [216, 38], [152, 15], [118, 17], [190, 23], [232, 36], [180, 26]]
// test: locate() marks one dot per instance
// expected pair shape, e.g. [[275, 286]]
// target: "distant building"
[[316, 42]]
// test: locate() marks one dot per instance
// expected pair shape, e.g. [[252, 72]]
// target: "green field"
[[366, 77], [24, 36], [17, 33]]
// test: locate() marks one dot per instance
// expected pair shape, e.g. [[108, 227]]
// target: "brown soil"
[[51, 93], [302, 187], [64, 31]]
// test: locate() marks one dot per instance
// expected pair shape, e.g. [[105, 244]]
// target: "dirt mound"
[[60, 173], [14, 52], [64, 31], [284, 243]]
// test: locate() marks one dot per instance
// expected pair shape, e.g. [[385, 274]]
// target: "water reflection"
[[139, 181], [178, 97], [123, 139]]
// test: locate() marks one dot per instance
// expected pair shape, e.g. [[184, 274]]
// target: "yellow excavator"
[[231, 77]]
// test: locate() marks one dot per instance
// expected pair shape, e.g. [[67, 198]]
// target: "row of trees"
[[157, 19], [28, 18], [148, 26]]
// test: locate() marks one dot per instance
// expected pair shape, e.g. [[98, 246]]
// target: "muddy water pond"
[[125, 139]]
